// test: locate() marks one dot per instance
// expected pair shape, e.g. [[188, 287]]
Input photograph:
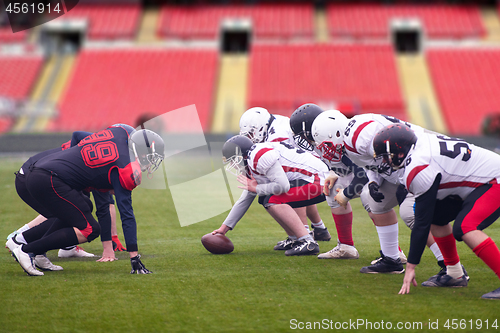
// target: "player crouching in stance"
[[284, 177], [109, 160], [451, 180]]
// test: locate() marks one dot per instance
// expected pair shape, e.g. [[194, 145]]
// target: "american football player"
[[284, 177], [451, 179]]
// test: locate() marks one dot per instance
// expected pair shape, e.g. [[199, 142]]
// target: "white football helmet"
[[254, 124], [328, 133], [148, 149]]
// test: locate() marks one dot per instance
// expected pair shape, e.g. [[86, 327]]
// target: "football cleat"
[[445, 281], [41, 261], [495, 294], [26, 261], [341, 251], [303, 248], [384, 265], [284, 245], [74, 252], [11, 244], [443, 270], [402, 257], [321, 235]]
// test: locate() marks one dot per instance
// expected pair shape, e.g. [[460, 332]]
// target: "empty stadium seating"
[[108, 21], [373, 21], [269, 21], [6, 35], [467, 83], [361, 77], [18, 74], [120, 85]]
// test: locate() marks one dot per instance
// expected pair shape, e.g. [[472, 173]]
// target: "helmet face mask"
[[331, 151], [254, 124], [148, 149], [234, 154], [301, 122]]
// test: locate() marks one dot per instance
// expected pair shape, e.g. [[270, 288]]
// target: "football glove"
[[374, 193], [137, 266], [117, 245]]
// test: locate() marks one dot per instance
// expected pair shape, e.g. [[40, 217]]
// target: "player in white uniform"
[[261, 126], [341, 175], [379, 196], [284, 177], [451, 180]]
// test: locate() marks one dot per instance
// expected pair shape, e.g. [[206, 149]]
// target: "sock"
[[307, 227], [343, 224], [22, 229], [388, 237], [437, 252], [448, 247], [19, 239], [455, 271], [488, 252], [56, 240], [294, 238], [319, 225], [307, 237]]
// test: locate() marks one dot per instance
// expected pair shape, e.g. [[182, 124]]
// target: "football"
[[217, 244]]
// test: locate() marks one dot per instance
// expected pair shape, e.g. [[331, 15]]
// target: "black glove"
[[374, 193], [137, 266]]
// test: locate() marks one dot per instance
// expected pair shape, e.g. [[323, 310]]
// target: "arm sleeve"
[[374, 177], [359, 180], [102, 212], [278, 181], [239, 209], [78, 136], [424, 212], [123, 199]]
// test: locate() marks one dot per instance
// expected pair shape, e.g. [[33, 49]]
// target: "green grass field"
[[254, 289]]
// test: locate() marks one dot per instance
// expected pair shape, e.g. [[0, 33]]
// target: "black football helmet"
[[235, 153], [301, 122], [148, 149], [393, 143]]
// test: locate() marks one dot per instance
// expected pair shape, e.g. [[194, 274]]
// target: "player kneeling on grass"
[[284, 177], [109, 160], [451, 180]]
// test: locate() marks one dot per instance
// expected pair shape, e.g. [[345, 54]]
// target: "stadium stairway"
[[148, 28], [416, 83], [491, 23], [231, 93], [47, 91], [321, 26]]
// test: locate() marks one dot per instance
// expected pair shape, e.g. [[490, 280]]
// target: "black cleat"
[[384, 265], [495, 294], [303, 248], [284, 245], [445, 281], [321, 235]]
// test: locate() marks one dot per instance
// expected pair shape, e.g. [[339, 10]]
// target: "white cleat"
[[11, 244], [41, 261], [74, 252], [341, 251], [26, 262]]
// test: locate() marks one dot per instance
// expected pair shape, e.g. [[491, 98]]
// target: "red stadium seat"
[[372, 20], [120, 85], [18, 74], [269, 20], [362, 77], [467, 85]]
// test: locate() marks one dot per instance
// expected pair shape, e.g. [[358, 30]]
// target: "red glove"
[[117, 246]]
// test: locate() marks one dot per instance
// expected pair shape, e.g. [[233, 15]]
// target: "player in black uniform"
[[109, 160]]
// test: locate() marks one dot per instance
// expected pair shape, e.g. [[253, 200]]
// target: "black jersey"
[[88, 165]]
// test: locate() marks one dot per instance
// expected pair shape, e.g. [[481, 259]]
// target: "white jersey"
[[297, 163], [358, 142], [463, 166], [280, 130]]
